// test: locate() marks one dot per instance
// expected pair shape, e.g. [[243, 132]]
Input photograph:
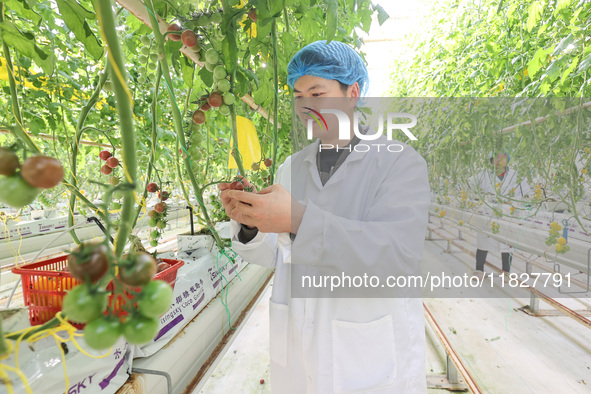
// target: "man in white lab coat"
[[365, 211], [504, 179]]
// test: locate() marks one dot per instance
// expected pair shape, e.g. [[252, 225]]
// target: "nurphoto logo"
[[345, 127]]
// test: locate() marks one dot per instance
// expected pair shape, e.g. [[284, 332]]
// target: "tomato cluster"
[[157, 215], [21, 183], [88, 302]]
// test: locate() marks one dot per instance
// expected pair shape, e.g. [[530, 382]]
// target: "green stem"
[[79, 131], [276, 97], [178, 121], [19, 130], [153, 139], [106, 21]]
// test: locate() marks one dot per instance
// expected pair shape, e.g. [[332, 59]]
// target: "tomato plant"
[[103, 332], [9, 162], [89, 262], [155, 299], [137, 269], [139, 329], [83, 303]]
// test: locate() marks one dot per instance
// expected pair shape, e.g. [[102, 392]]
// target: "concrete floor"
[[505, 350]]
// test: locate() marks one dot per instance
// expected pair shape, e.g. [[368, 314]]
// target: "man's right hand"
[[229, 203]]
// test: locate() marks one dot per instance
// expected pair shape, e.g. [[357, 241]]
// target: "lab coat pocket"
[[364, 356], [278, 335]]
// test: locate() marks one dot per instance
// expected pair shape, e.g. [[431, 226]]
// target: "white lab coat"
[[371, 214], [487, 181]]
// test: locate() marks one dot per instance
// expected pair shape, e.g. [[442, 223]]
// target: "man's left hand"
[[272, 210]]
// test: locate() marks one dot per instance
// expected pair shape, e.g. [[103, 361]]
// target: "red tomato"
[[198, 117], [105, 169], [137, 269], [160, 207], [89, 262], [8, 162], [112, 162], [104, 155], [174, 27], [152, 187], [215, 99], [189, 38], [42, 171]]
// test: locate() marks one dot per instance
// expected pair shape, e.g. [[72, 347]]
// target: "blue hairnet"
[[333, 61]]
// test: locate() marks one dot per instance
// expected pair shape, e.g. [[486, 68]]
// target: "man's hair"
[[344, 87]]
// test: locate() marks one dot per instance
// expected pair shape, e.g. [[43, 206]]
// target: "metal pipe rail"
[[523, 237], [585, 285], [566, 310], [451, 353]]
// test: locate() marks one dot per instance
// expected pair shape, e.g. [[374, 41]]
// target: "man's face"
[[500, 163], [319, 93]]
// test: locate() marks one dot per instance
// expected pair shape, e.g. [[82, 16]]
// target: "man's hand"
[[272, 210], [227, 202]]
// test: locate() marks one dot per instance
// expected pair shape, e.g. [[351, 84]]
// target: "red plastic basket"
[[45, 284]]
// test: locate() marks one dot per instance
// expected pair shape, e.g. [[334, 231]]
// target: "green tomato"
[[102, 333], [145, 40], [224, 85], [216, 17], [154, 234], [154, 57], [203, 21], [196, 138], [142, 59], [139, 329], [115, 206], [117, 194], [141, 70], [161, 225], [154, 242], [145, 51], [152, 66], [219, 72], [152, 222], [224, 110], [211, 56], [210, 66], [155, 299], [16, 192], [81, 305], [229, 98]]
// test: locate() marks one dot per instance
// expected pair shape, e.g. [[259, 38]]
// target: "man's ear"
[[354, 92]]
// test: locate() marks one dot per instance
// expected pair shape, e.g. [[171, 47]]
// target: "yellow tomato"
[[561, 240], [558, 247]]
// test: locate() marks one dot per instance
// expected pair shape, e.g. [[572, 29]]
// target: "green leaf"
[[560, 5], [331, 20], [206, 76], [534, 65], [382, 14], [251, 76], [569, 70], [511, 10], [75, 16], [23, 8], [25, 44], [584, 64], [187, 67], [534, 11], [564, 44]]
